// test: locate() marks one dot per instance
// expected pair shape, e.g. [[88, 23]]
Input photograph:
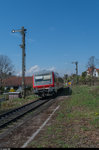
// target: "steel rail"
[[2, 99], [15, 114], [11, 111]]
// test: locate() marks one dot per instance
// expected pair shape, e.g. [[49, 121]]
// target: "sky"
[[59, 32]]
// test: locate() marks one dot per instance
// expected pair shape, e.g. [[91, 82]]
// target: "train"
[[47, 83]]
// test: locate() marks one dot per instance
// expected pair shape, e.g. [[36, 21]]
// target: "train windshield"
[[43, 79]]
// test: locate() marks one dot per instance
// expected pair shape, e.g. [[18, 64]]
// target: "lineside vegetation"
[[16, 102], [76, 123]]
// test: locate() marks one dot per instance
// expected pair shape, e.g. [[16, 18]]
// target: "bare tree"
[[6, 68], [91, 64]]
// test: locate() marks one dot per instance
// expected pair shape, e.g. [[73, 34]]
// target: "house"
[[95, 72], [16, 82]]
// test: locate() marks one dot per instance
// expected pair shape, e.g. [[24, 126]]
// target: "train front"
[[43, 83]]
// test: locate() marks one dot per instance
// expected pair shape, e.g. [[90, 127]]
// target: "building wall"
[[95, 73]]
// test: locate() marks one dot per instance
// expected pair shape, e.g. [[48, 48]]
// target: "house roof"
[[17, 81], [97, 70], [89, 70]]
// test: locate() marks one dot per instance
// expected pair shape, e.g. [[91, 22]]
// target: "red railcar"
[[47, 83]]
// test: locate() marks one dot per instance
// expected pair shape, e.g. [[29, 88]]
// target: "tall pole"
[[23, 61], [22, 31], [76, 72], [76, 63]]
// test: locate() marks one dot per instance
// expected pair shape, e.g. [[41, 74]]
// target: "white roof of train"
[[44, 72]]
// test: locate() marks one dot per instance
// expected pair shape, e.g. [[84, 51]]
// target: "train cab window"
[[47, 77], [38, 78]]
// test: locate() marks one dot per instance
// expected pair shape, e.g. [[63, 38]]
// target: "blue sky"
[[58, 33]]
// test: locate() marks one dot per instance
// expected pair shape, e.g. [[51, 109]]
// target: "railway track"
[[15, 114], [2, 99]]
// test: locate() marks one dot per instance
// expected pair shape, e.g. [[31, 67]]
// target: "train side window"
[[54, 78]]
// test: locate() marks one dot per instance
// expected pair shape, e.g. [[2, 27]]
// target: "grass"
[[86, 102], [16, 102], [76, 123], [1, 96]]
